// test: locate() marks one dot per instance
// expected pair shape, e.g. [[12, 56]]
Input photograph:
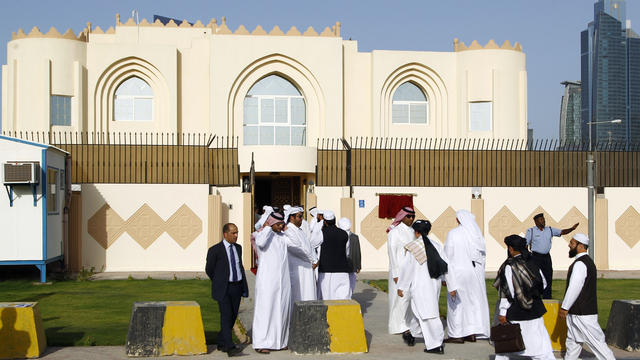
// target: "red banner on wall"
[[389, 205]]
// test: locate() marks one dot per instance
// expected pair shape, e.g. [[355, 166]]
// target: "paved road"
[[374, 310]]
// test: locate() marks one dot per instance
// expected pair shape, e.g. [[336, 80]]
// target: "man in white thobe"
[[400, 234], [272, 306], [422, 271], [580, 304], [302, 259], [520, 284], [467, 304]]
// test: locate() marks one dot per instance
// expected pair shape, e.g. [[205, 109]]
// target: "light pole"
[[591, 184]]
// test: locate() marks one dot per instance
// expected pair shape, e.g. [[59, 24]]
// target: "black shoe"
[[408, 338], [221, 348], [470, 338], [436, 350], [234, 351], [453, 340]]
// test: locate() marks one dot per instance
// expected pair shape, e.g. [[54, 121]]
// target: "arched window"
[[274, 114], [133, 101], [410, 105]]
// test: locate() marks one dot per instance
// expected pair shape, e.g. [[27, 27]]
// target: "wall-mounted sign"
[[361, 203]]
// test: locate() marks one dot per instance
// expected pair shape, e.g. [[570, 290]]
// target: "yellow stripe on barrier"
[[556, 326], [346, 328], [21, 331], [183, 332]]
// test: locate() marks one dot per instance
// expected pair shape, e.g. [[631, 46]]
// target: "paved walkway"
[[374, 310]]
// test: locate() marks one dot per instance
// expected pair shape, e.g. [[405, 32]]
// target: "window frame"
[[490, 115], [133, 99], [409, 104], [275, 124], [52, 113], [52, 198]]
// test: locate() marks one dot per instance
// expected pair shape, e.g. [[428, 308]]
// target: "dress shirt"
[[578, 276], [229, 248], [540, 240]]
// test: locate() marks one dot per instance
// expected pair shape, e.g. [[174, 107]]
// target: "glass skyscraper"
[[570, 113], [610, 72]]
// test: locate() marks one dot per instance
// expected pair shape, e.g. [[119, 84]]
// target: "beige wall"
[[147, 227], [623, 227]]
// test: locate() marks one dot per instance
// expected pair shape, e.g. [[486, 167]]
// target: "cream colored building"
[[198, 78], [279, 91]]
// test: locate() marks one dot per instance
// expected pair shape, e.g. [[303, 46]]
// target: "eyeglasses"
[[299, 215], [411, 216]]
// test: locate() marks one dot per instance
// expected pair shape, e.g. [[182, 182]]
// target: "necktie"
[[234, 272]]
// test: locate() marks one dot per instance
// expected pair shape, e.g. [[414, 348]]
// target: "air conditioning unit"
[[21, 173]]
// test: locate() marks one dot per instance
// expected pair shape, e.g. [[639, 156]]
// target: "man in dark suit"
[[228, 284]]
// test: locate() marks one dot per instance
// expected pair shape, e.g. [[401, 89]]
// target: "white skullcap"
[[344, 224], [329, 215], [581, 238], [321, 211]]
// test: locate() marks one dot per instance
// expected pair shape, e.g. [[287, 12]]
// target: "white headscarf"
[[267, 211], [468, 223], [345, 224], [290, 211], [313, 211]]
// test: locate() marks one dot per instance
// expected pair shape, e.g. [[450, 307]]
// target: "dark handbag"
[[507, 338]]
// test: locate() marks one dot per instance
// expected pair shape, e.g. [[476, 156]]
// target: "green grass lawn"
[[608, 290], [98, 312]]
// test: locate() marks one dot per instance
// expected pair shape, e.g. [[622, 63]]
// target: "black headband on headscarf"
[[437, 267], [408, 210]]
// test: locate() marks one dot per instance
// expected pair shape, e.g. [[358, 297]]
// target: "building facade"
[[570, 115], [280, 95], [610, 73]]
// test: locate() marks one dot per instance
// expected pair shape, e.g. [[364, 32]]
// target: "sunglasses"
[[411, 216]]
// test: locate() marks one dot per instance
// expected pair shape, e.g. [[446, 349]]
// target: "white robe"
[[582, 328], [400, 314], [272, 296], [534, 334], [468, 311], [425, 293], [301, 257]]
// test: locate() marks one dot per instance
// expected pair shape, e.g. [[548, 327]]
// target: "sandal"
[[263, 351]]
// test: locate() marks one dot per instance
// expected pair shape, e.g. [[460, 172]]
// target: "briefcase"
[[507, 338]]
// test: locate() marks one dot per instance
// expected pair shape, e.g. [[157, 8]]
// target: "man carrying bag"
[[520, 284]]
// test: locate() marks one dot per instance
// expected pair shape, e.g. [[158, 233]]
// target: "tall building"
[[610, 66], [570, 115]]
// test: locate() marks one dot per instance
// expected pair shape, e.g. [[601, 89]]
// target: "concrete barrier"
[[623, 326], [165, 328], [556, 326], [329, 326], [21, 331]]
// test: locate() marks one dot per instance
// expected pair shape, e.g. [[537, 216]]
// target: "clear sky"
[[549, 30]]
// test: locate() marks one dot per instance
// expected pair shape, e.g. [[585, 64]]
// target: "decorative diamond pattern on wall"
[[184, 226], [444, 223], [505, 223], [628, 227], [144, 226], [105, 226], [374, 229]]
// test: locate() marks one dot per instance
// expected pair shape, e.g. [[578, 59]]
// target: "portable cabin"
[[36, 180]]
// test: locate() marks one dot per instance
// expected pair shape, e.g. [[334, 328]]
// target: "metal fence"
[[472, 162], [145, 158]]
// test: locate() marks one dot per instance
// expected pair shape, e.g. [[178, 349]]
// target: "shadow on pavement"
[[365, 298]]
